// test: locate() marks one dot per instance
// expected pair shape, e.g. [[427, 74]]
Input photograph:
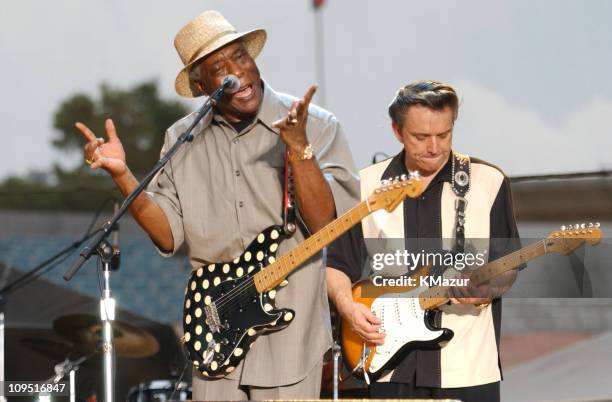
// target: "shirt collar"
[[271, 108], [269, 111]]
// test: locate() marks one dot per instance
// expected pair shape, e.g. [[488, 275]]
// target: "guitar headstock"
[[392, 192], [570, 237]]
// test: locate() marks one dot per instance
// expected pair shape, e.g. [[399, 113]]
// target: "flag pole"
[[319, 51]]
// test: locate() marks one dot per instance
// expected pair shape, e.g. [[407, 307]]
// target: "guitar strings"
[[235, 292], [233, 295], [230, 294], [248, 282], [244, 288], [339, 230], [221, 301], [231, 298], [240, 289]]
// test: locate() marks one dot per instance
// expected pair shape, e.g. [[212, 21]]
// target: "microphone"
[[230, 84]]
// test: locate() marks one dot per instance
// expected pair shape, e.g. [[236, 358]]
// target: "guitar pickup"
[[212, 317]]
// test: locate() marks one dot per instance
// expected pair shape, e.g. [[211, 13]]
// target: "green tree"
[[141, 118]]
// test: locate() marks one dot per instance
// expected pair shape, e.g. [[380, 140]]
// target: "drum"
[[159, 391]]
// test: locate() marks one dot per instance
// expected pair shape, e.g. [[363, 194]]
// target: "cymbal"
[[85, 331], [56, 350]]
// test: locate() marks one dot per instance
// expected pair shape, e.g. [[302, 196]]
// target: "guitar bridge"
[[212, 317]]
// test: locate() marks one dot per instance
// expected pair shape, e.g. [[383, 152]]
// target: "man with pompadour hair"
[[422, 115]]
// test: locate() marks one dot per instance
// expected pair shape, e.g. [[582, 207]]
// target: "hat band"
[[207, 43]]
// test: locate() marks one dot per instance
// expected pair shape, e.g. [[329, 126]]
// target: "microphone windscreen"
[[231, 83]]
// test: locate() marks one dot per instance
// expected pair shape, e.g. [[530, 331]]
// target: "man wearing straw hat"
[[220, 191]]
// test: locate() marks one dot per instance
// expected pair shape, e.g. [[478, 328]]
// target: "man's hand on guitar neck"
[[471, 294], [483, 293]]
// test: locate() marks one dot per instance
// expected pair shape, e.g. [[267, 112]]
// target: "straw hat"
[[203, 35]]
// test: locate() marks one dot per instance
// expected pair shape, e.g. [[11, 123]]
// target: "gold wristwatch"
[[306, 154]]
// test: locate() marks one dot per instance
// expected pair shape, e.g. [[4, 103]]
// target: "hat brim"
[[253, 41]]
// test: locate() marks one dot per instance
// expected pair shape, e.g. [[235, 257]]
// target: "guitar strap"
[[288, 199], [460, 182]]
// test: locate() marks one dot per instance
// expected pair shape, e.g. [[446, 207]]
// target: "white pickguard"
[[403, 321]]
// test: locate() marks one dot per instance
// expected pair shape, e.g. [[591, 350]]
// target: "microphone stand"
[[100, 246], [32, 275], [20, 282], [69, 367], [336, 356]]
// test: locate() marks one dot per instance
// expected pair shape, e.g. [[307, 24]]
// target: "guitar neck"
[[439, 295], [276, 272]]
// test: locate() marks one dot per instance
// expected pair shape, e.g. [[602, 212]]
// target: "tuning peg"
[[414, 174], [583, 226], [570, 227], [597, 224], [590, 224], [384, 182], [563, 227], [404, 177]]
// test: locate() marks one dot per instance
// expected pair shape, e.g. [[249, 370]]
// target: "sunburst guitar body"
[[407, 313]]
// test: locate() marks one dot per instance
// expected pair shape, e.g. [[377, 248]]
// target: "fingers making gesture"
[[106, 154], [293, 126]]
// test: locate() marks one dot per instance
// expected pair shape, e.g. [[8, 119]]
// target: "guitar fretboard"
[[276, 272], [439, 295]]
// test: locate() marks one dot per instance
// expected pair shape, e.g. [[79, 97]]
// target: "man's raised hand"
[[293, 126], [108, 155]]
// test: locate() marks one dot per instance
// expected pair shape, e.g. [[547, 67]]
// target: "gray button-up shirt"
[[224, 188]]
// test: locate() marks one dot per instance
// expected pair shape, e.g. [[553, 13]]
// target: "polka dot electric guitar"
[[228, 304]]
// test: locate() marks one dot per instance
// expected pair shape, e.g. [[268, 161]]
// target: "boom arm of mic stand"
[[186, 136]]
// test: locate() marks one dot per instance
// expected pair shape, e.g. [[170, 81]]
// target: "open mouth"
[[244, 92]]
